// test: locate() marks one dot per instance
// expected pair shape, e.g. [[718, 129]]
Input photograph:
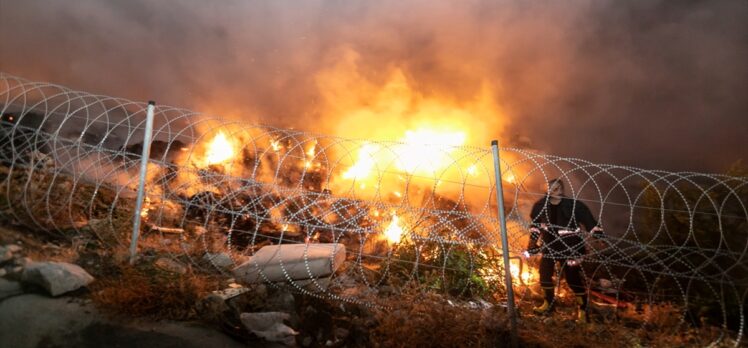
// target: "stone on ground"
[[170, 265], [279, 263], [220, 260], [56, 277], [5, 254], [270, 326]]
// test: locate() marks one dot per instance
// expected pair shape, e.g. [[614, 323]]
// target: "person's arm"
[[535, 225], [584, 216]]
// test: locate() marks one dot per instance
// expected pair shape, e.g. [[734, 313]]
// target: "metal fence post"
[[504, 243], [141, 184]]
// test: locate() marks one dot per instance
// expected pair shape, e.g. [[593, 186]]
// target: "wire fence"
[[218, 191]]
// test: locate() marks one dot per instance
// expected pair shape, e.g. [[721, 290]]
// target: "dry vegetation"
[[143, 290]]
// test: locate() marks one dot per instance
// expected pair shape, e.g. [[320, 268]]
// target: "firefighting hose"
[[596, 233]]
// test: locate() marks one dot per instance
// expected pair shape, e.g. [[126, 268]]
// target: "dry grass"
[[145, 291], [656, 326], [428, 320]]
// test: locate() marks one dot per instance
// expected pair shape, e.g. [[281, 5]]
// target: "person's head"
[[555, 188]]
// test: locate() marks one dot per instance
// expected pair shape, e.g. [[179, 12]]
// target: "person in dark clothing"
[[557, 221]]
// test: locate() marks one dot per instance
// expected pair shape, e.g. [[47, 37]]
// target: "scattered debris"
[[167, 229], [280, 263]]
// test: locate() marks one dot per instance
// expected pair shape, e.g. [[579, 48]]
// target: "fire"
[[424, 151], [510, 178], [364, 165], [418, 154], [275, 144], [310, 151], [472, 170], [393, 232], [523, 277], [220, 150], [146, 208]]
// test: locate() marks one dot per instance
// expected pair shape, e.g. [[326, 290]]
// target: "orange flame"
[[365, 163], [521, 277], [220, 150], [424, 151], [393, 232], [419, 155]]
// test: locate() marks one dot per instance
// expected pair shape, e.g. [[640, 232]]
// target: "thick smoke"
[[647, 83]]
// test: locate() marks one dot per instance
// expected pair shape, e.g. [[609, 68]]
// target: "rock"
[[56, 277], [485, 304], [9, 288], [212, 307], [605, 284], [170, 265], [280, 263], [220, 260], [5, 255], [270, 326], [24, 261], [3, 272], [14, 248]]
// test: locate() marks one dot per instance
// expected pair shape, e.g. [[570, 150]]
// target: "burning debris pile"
[[236, 190]]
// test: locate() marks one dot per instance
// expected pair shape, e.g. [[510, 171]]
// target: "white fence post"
[[141, 185], [505, 244]]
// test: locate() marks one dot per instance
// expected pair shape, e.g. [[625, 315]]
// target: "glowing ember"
[[310, 151], [419, 155], [394, 232], [146, 208], [510, 178], [275, 144], [219, 150]]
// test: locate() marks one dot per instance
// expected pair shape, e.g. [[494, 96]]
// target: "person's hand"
[[532, 249], [598, 235], [597, 232]]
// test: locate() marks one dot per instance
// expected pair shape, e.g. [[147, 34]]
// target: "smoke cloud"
[[653, 84]]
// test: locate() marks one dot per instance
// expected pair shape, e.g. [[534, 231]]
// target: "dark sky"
[[654, 84]]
